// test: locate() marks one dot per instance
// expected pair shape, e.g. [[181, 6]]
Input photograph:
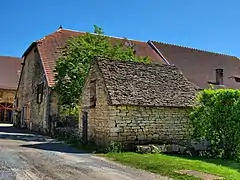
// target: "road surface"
[[27, 156]]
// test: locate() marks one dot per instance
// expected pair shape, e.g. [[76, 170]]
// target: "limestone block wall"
[[140, 125]]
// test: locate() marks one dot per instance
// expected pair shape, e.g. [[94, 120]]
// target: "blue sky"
[[212, 25]]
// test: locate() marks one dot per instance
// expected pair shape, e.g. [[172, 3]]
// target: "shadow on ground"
[[55, 146], [36, 141], [227, 163], [12, 133]]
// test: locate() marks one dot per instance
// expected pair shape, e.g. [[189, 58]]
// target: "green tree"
[[73, 66], [216, 118]]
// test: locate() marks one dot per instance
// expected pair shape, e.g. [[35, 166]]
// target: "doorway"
[[85, 127], [6, 112]]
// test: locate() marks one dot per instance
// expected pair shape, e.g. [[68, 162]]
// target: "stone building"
[[135, 103], [35, 100], [9, 74]]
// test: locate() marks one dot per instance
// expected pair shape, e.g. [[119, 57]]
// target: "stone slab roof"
[[131, 83], [9, 72]]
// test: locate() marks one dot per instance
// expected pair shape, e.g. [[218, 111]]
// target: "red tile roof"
[[9, 72], [199, 66], [49, 45]]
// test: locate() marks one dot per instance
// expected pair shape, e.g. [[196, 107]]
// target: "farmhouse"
[[137, 103], [36, 103]]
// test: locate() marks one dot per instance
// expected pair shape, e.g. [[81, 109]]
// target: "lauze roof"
[[131, 83], [9, 72], [199, 66], [48, 48]]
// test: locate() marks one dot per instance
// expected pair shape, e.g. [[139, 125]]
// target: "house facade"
[[135, 103], [9, 74], [36, 103], [31, 98]]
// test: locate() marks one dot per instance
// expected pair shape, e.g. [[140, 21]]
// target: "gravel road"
[[27, 156]]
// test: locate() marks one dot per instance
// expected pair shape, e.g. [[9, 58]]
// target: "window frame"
[[40, 88]]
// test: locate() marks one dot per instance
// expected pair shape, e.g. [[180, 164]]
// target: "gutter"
[[150, 43]]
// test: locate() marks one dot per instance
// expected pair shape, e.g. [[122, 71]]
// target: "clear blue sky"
[[212, 25]]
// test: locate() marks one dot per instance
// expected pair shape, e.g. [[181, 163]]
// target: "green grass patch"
[[167, 165]]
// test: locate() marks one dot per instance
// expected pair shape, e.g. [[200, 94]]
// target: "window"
[[93, 97], [40, 93]]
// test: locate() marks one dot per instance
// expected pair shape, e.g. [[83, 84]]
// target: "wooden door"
[[85, 127]]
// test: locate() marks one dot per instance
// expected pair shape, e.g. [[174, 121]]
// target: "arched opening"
[[6, 112]]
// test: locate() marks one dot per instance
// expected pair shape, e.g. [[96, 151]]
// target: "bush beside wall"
[[216, 118]]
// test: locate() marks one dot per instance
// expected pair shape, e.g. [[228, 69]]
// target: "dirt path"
[[26, 156]]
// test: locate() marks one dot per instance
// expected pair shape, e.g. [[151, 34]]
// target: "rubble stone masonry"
[[130, 124], [140, 125]]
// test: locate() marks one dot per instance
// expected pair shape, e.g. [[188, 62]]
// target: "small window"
[[93, 97], [40, 93]]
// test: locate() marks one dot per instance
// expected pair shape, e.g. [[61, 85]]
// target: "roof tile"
[[10, 68], [199, 66], [49, 45]]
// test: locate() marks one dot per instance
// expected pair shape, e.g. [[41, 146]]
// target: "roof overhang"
[[29, 49]]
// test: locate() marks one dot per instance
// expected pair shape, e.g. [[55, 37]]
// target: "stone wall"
[[31, 77], [141, 125], [98, 126]]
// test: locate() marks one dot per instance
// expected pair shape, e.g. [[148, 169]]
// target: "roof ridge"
[[100, 59], [44, 37], [191, 48], [15, 57], [65, 29]]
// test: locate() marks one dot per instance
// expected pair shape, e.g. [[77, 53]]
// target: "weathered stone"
[[144, 149], [116, 130], [200, 145]]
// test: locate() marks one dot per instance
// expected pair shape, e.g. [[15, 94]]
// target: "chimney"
[[219, 76]]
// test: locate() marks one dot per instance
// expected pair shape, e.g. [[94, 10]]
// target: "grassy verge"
[[167, 165]]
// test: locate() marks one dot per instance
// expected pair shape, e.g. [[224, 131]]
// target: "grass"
[[167, 165]]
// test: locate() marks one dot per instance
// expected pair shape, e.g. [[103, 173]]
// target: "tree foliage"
[[216, 118], [73, 66]]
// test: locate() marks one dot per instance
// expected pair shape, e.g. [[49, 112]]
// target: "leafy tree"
[[73, 66], [216, 118]]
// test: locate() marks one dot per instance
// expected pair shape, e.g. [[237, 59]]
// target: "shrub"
[[216, 118], [73, 66], [114, 147]]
